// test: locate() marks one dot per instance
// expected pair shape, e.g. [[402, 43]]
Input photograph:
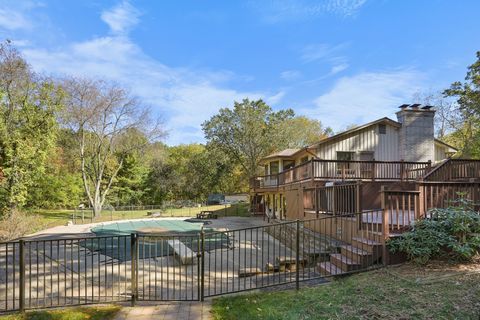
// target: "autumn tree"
[[109, 125], [467, 115], [28, 126], [245, 133], [300, 131]]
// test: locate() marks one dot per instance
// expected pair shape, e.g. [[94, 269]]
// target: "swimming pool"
[[113, 239], [157, 226]]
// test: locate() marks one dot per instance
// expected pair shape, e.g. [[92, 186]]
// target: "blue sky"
[[340, 61]]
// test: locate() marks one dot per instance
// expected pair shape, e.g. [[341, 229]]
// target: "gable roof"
[[445, 144], [287, 153], [384, 120]]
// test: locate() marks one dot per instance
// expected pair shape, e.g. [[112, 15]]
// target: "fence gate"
[[167, 268]]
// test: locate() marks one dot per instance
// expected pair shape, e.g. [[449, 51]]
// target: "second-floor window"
[[345, 156], [274, 166], [287, 164]]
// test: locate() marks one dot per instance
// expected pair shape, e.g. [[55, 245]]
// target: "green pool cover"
[[114, 241], [177, 227]]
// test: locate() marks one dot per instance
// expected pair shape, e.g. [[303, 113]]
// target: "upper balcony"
[[344, 170]]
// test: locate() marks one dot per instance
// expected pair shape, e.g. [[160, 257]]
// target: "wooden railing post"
[[313, 170], [358, 202], [402, 170], [421, 200], [385, 227], [374, 169]]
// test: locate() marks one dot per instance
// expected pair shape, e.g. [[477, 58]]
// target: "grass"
[[438, 291], [79, 313], [52, 218]]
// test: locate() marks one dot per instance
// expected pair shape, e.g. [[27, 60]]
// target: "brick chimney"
[[416, 136]]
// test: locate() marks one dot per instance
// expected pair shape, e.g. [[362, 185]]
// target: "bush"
[[452, 232], [15, 224]]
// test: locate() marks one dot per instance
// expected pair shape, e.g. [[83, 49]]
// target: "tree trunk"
[[97, 209]]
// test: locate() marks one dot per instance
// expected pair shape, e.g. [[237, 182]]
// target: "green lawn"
[[440, 291], [80, 313], [51, 218]]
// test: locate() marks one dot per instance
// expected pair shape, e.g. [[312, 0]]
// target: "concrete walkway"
[[167, 311]]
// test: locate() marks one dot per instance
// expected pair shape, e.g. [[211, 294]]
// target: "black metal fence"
[[186, 267]]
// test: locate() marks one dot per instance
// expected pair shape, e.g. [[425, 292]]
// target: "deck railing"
[[336, 199], [455, 170], [345, 170]]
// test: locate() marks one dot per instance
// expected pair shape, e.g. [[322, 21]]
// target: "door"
[[366, 169]]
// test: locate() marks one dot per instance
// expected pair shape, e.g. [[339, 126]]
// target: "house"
[[377, 178], [373, 151]]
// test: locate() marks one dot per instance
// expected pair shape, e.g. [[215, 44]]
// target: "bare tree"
[[446, 119], [108, 124]]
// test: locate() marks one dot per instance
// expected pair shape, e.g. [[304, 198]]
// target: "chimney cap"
[[415, 106], [403, 106], [427, 107]]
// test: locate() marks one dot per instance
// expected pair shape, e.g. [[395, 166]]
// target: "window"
[[345, 155], [274, 166], [287, 164], [382, 129], [266, 169]]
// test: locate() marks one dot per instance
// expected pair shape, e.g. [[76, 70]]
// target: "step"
[[363, 257], [329, 269], [344, 262], [366, 244], [372, 235]]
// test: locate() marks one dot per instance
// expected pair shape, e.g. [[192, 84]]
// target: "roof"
[[283, 154], [384, 120], [445, 144], [287, 153]]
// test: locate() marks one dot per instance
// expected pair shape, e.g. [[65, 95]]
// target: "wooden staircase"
[[362, 253]]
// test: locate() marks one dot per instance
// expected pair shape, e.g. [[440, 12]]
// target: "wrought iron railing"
[[43, 273]]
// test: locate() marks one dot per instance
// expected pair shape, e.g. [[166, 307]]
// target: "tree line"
[[71, 141]]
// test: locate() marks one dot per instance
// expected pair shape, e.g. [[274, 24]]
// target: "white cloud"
[[184, 97], [338, 68], [273, 100], [365, 97], [344, 7], [323, 51], [290, 75], [274, 11], [13, 20], [121, 18]]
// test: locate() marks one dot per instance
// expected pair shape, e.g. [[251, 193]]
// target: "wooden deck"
[[322, 170]]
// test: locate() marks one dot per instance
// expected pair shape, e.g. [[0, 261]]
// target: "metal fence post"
[[297, 257], [22, 275], [133, 256], [202, 266]]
